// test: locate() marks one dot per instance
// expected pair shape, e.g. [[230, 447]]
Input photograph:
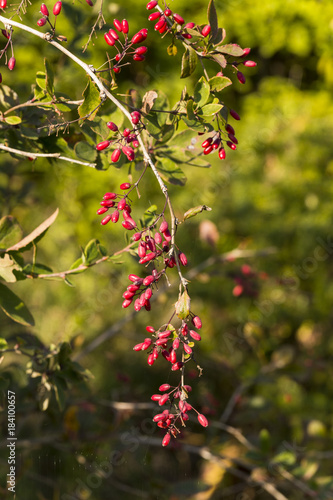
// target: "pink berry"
[[114, 34], [115, 216], [144, 33], [124, 26], [197, 322], [121, 204], [156, 397], [183, 259], [141, 50], [129, 224], [102, 211], [164, 227], [103, 145], [166, 439], [195, 335], [106, 220], [44, 10], [163, 399], [117, 25], [177, 366], [125, 185], [250, 64], [109, 196], [159, 24], [11, 63], [57, 8], [138, 57], [127, 303], [137, 38], [202, 420], [164, 387], [134, 278], [154, 16], [41, 22], [206, 30], [128, 151], [189, 26], [246, 51]]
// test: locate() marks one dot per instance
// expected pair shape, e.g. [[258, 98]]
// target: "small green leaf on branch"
[[192, 212], [14, 307], [182, 306], [91, 101], [189, 62]]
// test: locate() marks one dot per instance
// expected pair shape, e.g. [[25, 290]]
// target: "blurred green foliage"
[[269, 353]]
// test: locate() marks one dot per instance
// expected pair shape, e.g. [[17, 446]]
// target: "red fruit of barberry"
[[103, 145], [166, 440], [125, 185], [151, 5], [222, 153], [114, 34], [231, 145], [250, 64], [124, 26], [178, 19], [112, 126], [167, 12], [206, 30], [154, 16], [135, 117], [3, 4], [234, 114], [230, 129], [241, 77], [128, 151], [197, 322], [57, 8], [44, 10], [11, 63], [159, 25], [117, 25], [137, 38], [141, 50], [41, 22], [109, 39], [202, 420]]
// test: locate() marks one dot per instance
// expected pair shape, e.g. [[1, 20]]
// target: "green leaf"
[[189, 62], [8, 98], [91, 252], [3, 344], [210, 109], [91, 101], [201, 92], [100, 128], [183, 306], [192, 212], [170, 172], [194, 124], [182, 139], [152, 125], [212, 18], [7, 266], [14, 307], [59, 386], [196, 161], [85, 151], [41, 80], [10, 231], [220, 36], [285, 457], [219, 59], [35, 236], [190, 111], [13, 120], [176, 154], [49, 77], [232, 49], [218, 83], [36, 269]]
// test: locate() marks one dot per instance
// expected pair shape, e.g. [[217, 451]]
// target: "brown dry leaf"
[[208, 232]]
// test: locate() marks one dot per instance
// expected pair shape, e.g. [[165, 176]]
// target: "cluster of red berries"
[[123, 205], [153, 248], [162, 21], [123, 140], [181, 342], [11, 61], [215, 142], [126, 48], [45, 11]]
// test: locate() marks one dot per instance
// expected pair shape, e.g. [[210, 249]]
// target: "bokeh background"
[[266, 352]]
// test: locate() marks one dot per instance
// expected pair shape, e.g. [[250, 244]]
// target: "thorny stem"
[[39, 103]]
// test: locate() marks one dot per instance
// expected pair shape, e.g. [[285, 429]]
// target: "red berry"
[[144, 33], [115, 216], [117, 25], [230, 129], [128, 151], [141, 50], [3, 4], [106, 220], [102, 211], [126, 132], [125, 185], [134, 278], [246, 51], [206, 143], [208, 150], [138, 57], [57, 8], [128, 224], [109, 196], [231, 145], [178, 19], [135, 116], [5, 33], [121, 204], [197, 322], [148, 279], [150, 360], [187, 349], [234, 114], [124, 26], [164, 387], [195, 335], [116, 69], [114, 34], [250, 64], [189, 26], [41, 22], [136, 237], [222, 153], [154, 16], [206, 30], [156, 397], [112, 126], [159, 24], [233, 138], [89, 2], [241, 77], [163, 399], [109, 39], [202, 420], [127, 303], [151, 5], [164, 226], [147, 258], [137, 38], [0, 78], [167, 12], [166, 439], [11, 63], [138, 347], [183, 259], [103, 145], [177, 366], [44, 10]]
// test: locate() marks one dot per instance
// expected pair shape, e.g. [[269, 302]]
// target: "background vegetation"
[[266, 354]]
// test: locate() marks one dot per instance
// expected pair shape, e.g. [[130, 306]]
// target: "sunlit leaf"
[[14, 307], [91, 101]]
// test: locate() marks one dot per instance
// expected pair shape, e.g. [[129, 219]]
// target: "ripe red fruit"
[[164, 226], [141, 50], [129, 224], [102, 145], [109, 196], [178, 19], [112, 126], [116, 69], [206, 30], [233, 138], [164, 387], [5, 33], [163, 399], [117, 25], [134, 278], [11, 63], [41, 22], [208, 150], [44, 10], [241, 77], [124, 26], [148, 279], [89, 2], [3, 4], [166, 440], [202, 420], [183, 259], [197, 322], [151, 5], [127, 303], [128, 151], [135, 116], [234, 114], [189, 26], [159, 24], [177, 366], [109, 39], [231, 145], [222, 153], [246, 51], [0, 78], [167, 12], [154, 16], [137, 38], [250, 64], [114, 34], [138, 57], [187, 349], [115, 216], [125, 185], [195, 335], [144, 33], [121, 204], [106, 220], [102, 211], [57, 8], [150, 359], [230, 129]]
